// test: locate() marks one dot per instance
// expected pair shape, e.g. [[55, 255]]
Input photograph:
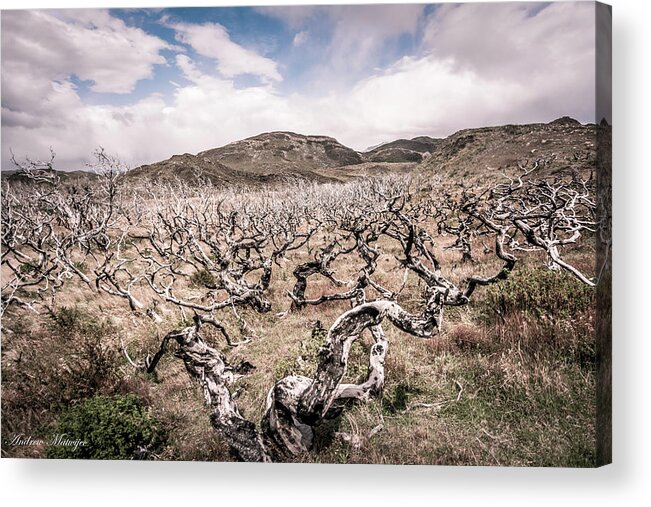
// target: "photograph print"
[[314, 234]]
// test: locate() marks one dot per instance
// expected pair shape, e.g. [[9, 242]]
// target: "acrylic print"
[[318, 234]]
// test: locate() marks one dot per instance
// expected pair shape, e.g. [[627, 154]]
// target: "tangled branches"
[[211, 251]]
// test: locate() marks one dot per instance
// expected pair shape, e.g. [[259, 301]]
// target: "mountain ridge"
[[474, 153]]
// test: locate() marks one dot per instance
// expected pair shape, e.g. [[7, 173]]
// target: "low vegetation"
[[105, 428], [389, 320]]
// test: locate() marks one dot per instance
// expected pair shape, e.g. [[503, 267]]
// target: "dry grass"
[[516, 389]]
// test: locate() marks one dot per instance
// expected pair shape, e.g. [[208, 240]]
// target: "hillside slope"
[[403, 150], [469, 155], [475, 154], [283, 152], [265, 158]]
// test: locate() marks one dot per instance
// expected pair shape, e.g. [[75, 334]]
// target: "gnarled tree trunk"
[[296, 404]]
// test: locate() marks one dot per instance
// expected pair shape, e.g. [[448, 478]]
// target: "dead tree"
[[451, 219], [364, 220], [51, 231], [320, 264], [296, 405], [210, 369], [546, 214], [224, 247], [37, 170]]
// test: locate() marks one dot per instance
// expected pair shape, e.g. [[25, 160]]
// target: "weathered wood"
[[374, 384], [296, 405], [209, 368], [283, 431], [333, 357], [319, 265]]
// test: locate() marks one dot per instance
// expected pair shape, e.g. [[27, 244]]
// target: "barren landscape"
[[286, 298]]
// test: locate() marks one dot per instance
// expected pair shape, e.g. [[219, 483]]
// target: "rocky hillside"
[[283, 151], [265, 158], [66, 177], [471, 155], [403, 150], [193, 168], [477, 154]]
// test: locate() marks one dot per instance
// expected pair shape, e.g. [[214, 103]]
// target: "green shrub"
[[397, 397], [302, 359], [203, 278], [28, 268], [110, 428], [539, 292], [67, 318], [81, 266], [64, 360], [72, 322]]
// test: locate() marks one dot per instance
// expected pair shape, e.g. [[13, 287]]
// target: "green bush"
[[397, 398], [539, 292], [203, 278], [67, 318], [60, 361], [110, 428], [28, 268], [70, 322], [81, 266], [303, 358]]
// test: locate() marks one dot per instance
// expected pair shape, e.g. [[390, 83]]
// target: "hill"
[[284, 152], [471, 155], [403, 150], [265, 158], [475, 154], [74, 177]]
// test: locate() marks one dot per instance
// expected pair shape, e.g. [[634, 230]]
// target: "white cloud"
[[360, 31], [300, 38], [428, 96], [361, 37], [213, 41], [90, 44], [536, 68], [41, 50], [208, 112], [416, 96], [546, 50], [295, 16], [515, 41]]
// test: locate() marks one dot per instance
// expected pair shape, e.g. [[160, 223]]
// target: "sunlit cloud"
[[76, 80], [212, 40]]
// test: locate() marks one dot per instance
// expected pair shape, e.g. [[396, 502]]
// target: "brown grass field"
[[509, 381]]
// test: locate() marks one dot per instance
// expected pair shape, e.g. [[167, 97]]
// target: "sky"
[[146, 84]]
